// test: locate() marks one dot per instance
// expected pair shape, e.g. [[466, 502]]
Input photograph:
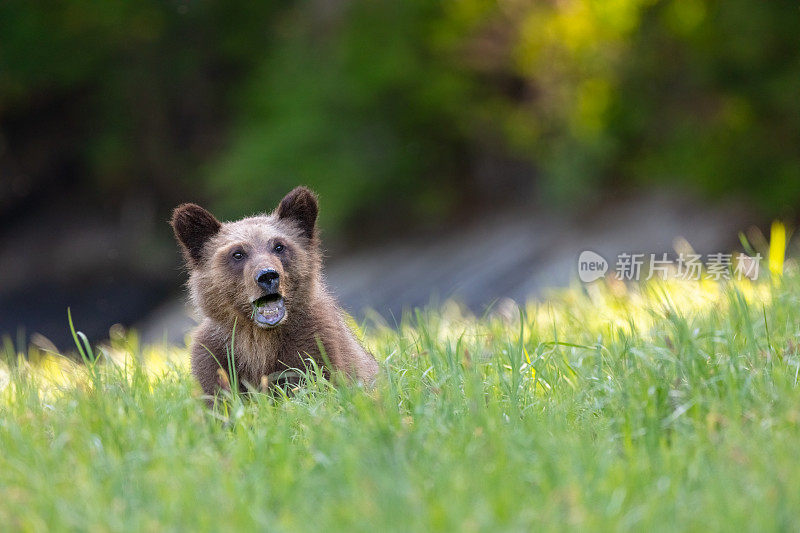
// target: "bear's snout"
[[268, 279]]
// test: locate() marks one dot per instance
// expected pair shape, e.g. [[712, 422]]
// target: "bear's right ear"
[[193, 226], [302, 207]]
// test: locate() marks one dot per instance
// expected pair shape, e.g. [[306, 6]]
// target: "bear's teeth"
[[269, 312]]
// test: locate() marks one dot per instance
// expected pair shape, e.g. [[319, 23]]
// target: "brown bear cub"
[[263, 274]]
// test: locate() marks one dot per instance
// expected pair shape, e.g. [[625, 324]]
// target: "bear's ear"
[[301, 207], [193, 226]]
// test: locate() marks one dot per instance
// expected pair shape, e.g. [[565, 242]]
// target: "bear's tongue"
[[269, 310]]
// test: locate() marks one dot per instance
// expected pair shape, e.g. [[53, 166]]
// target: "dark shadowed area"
[[460, 149]]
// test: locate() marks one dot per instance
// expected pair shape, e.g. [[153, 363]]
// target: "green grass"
[[666, 407]]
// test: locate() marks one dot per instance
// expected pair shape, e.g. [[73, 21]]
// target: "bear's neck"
[[260, 352]]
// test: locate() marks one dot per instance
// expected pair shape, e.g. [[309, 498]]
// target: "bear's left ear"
[[193, 226], [301, 207]]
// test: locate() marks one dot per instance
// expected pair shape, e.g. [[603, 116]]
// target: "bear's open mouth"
[[269, 310]]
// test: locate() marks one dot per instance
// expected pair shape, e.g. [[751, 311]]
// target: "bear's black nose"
[[267, 279]]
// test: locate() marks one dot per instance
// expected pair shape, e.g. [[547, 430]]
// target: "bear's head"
[[260, 269]]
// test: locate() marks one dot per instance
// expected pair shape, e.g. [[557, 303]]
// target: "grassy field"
[[665, 407]]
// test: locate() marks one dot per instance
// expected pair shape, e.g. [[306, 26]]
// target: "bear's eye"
[[238, 255], [278, 248]]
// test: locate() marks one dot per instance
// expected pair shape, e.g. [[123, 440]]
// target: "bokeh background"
[[463, 148]]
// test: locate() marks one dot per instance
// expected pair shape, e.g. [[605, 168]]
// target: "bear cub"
[[263, 274]]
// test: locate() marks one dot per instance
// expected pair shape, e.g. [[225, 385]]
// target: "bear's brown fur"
[[279, 323]]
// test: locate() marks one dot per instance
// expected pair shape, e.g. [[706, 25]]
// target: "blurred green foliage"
[[392, 109]]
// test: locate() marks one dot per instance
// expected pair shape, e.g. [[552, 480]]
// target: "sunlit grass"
[[777, 248], [668, 406]]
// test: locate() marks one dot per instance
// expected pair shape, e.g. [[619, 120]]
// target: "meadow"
[[663, 406]]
